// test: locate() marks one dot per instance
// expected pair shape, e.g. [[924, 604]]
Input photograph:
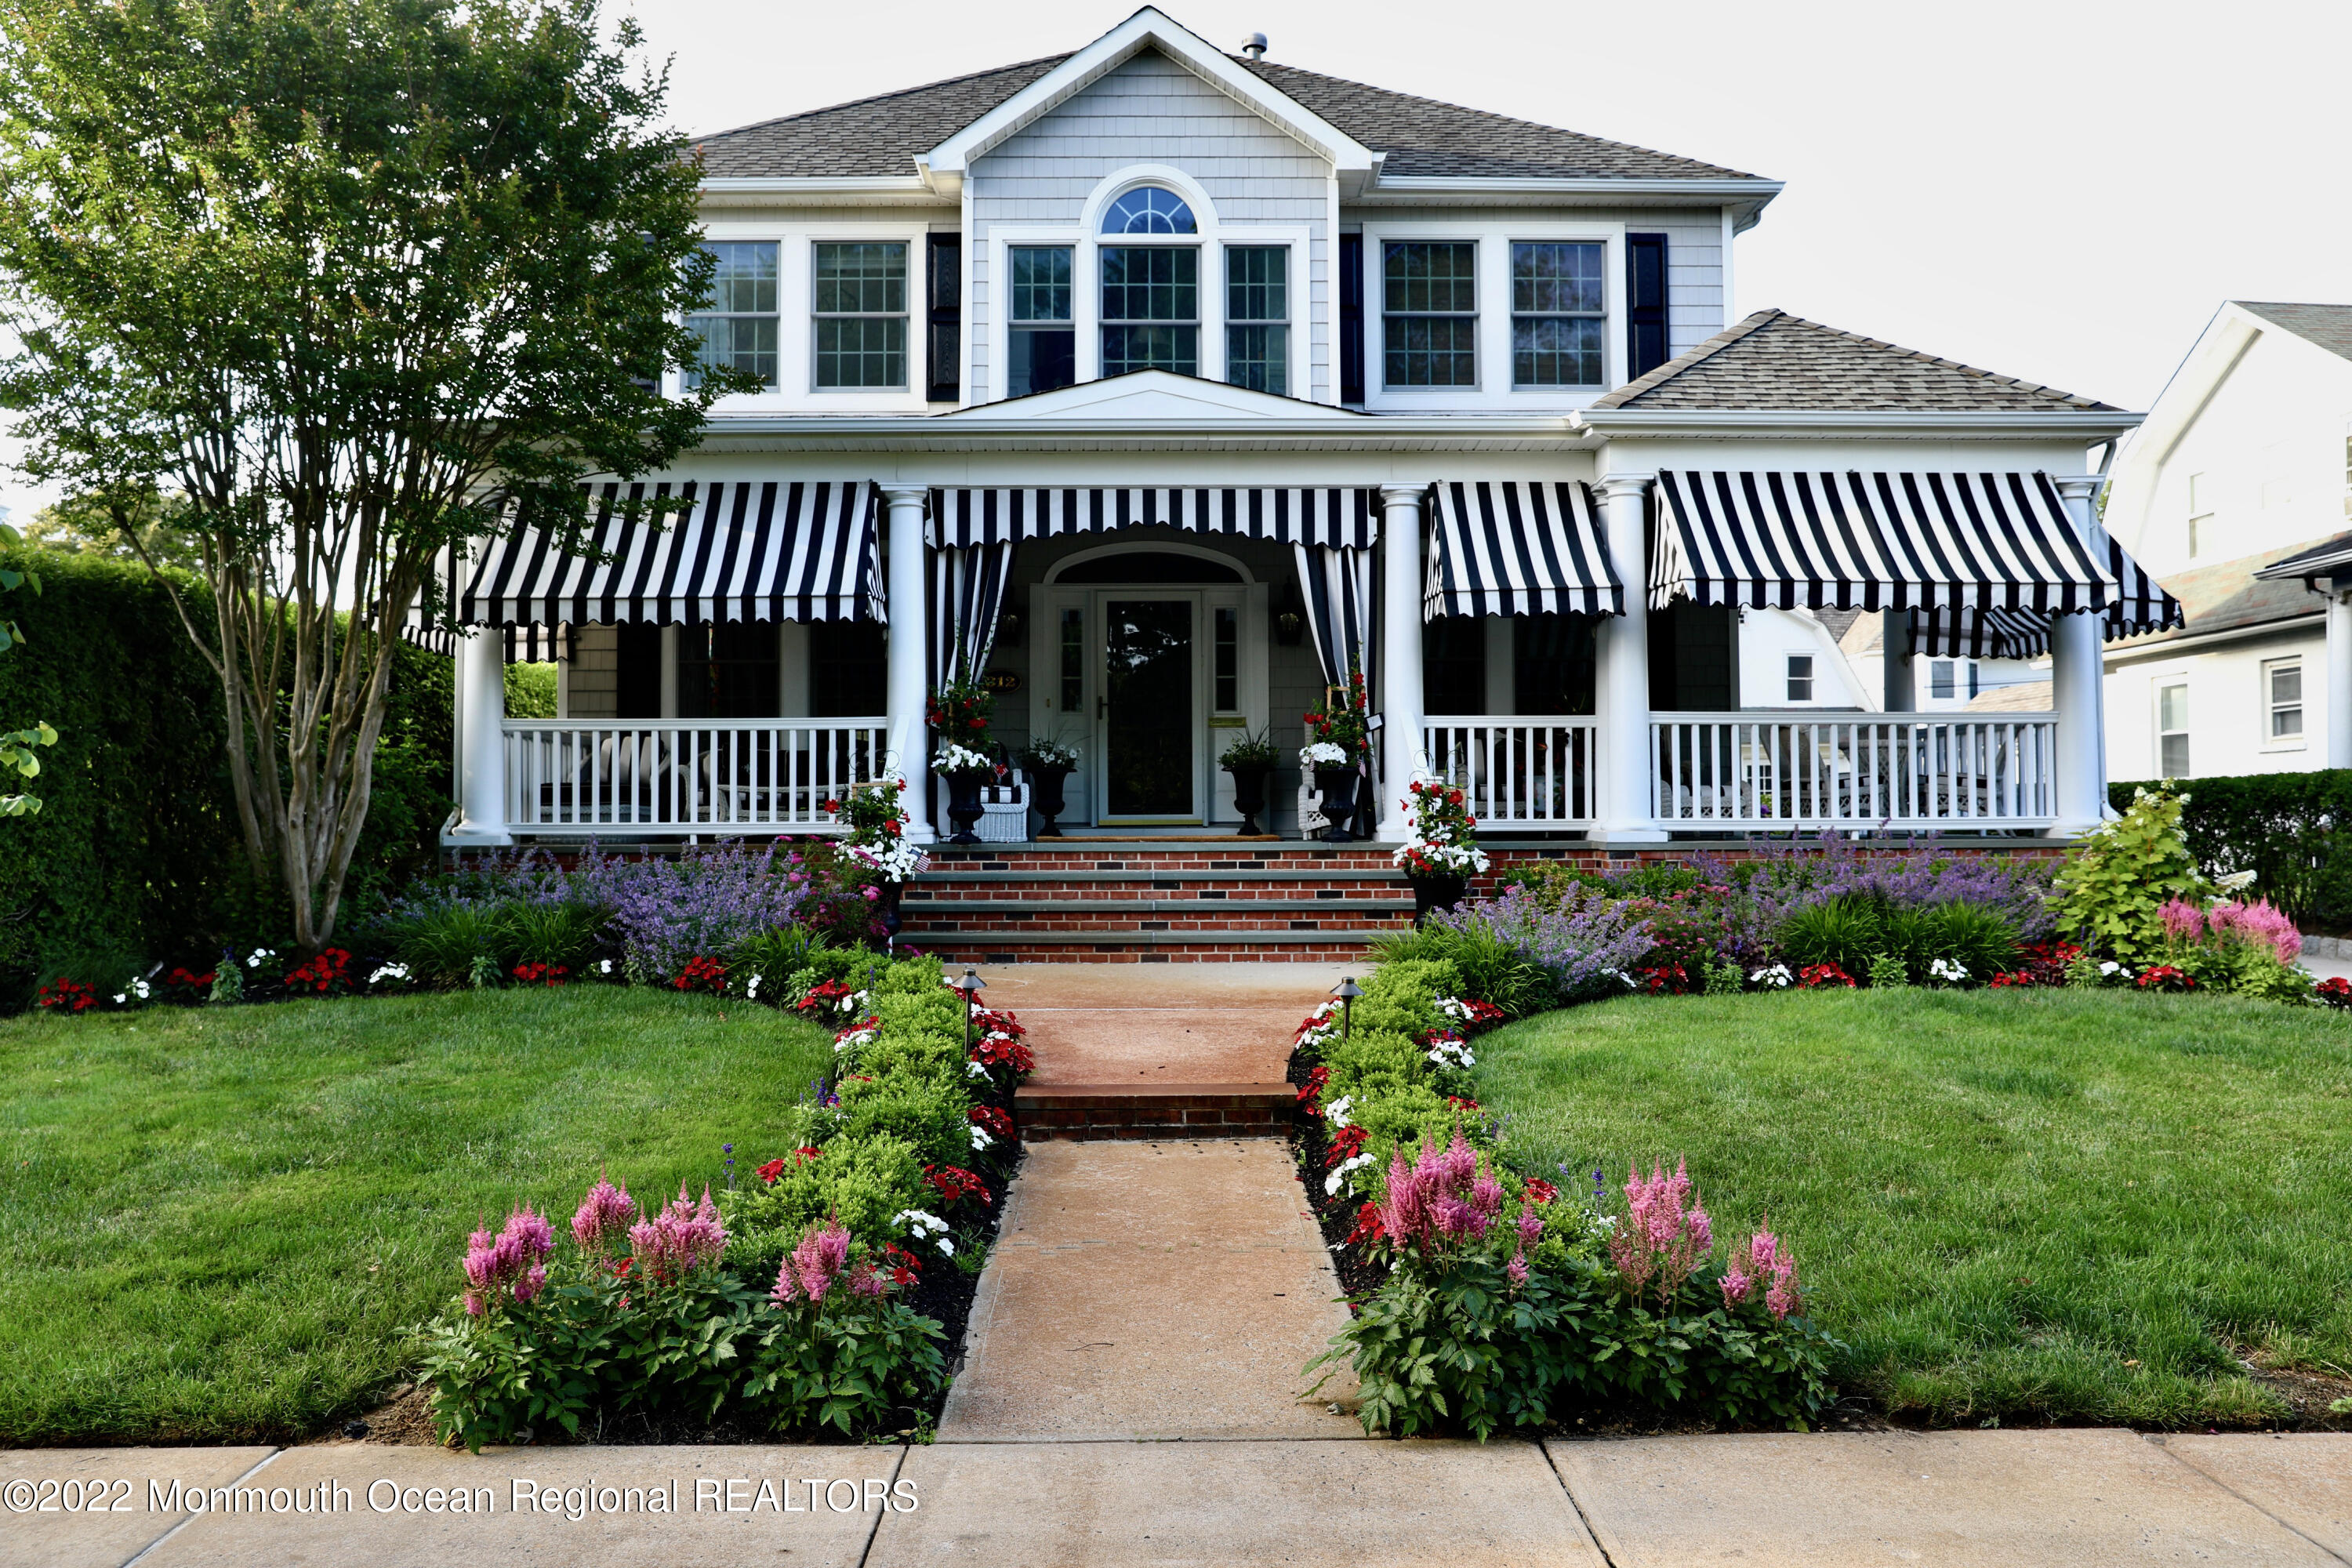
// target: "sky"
[[2062, 191]]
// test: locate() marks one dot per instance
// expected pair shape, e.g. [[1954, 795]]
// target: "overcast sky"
[[2053, 190]]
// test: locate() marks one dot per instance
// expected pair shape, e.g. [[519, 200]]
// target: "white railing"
[[1517, 773], [686, 775], [1745, 770]]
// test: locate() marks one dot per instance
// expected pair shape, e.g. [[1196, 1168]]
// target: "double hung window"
[[2172, 731], [1043, 342], [739, 328], [1151, 293], [1800, 677], [861, 316], [2282, 698], [1257, 317], [1429, 323], [1557, 314]]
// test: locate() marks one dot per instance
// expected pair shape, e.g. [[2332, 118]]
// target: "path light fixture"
[[971, 984], [1347, 991]]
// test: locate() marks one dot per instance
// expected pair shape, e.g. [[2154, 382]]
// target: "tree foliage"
[[17, 753], [360, 280]]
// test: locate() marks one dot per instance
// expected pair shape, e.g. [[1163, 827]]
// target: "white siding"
[[2229, 715]]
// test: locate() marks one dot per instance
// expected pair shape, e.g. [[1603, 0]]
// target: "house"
[[2237, 493], [1162, 388]]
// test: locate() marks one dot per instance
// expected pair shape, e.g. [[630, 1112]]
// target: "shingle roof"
[[2329, 326], [2229, 595], [2320, 560], [1776, 361], [1421, 135]]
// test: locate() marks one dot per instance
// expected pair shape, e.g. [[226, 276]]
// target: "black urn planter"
[[1337, 784], [1437, 892], [963, 805], [886, 907], [1249, 798], [1046, 797]]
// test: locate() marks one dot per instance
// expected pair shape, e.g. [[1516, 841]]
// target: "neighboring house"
[[1163, 387], [2237, 493]]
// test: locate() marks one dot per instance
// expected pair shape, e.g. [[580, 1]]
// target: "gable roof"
[[883, 136], [2311, 562], [2329, 326], [1777, 362], [2230, 594]]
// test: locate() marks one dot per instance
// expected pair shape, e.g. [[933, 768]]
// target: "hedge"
[[2293, 831], [136, 850]]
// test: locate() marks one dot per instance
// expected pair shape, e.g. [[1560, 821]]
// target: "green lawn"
[[2057, 1205], [215, 1222]]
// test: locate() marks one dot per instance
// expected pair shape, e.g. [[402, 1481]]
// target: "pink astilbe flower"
[[2183, 921], [684, 1237], [2258, 922], [809, 1273], [1766, 1260], [604, 1219], [510, 1266], [1439, 1200], [1665, 1236], [1531, 1227]]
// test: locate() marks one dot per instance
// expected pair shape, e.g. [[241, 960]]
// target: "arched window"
[[1149, 209]]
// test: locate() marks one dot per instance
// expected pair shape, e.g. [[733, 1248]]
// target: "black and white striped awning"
[[2138, 606], [1869, 541], [751, 549], [1335, 517], [524, 645], [1517, 547]]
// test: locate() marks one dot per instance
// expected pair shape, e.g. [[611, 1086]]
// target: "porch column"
[[2339, 675], [2076, 656], [481, 738], [1898, 673], [1623, 676], [1400, 661], [907, 688]]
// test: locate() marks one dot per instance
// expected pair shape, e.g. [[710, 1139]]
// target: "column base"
[[1628, 835], [473, 837]]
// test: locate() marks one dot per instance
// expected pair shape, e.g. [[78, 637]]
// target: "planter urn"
[[1046, 797], [1436, 892], [1337, 784], [963, 805], [886, 907], [1249, 798]]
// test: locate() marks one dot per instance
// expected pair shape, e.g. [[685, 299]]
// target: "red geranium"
[[329, 971], [992, 1120], [70, 994], [2336, 993], [1368, 1227], [771, 1172], [1345, 1144], [954, 1184], [1310, 1093], [541, 973], [702, 975], [2164, 977], [1815, 975], [1540, 1191]]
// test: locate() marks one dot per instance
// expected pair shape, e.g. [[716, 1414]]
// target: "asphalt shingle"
[[2329, 326], [1778, 363]]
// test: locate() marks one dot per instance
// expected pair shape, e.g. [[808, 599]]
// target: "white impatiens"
[[1344, 1173], [1950, 971], [980, 1139], [1323, 755], [954, 758], [922, 1227], [388, 975], [259, 956], [1451, 1051], [864, 1033], [1775, 978], [1336, 1111], [896, 861]]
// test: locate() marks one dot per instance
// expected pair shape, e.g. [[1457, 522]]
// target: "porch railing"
[[686, 775], [1517, 773], [1744, 770]]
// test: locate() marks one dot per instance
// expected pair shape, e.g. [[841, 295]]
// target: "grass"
[[2047, 1206], [217, 1222]]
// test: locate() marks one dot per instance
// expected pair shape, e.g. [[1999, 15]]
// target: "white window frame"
[[1812, 677], [2158, 688], [1288, 322], [910, 291], [1494, 238], [1606, 315], [682, 376], [2269, 704], [2196, 516], [796, 324]]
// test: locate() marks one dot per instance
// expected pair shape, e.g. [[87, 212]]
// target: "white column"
[[2339, 678], [481, 739], [1623, 678], [907, 690], [2076, 673], [1401, 759], [1898, 673]]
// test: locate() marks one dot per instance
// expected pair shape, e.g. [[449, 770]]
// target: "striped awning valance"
[[756, 549], [1884, 541], [1517, 547], [524, 645], [2140, 605], [1334, 517]]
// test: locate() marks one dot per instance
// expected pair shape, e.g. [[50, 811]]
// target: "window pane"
[[746, 342], [1041, 283], [861, 350], [1939, 679], [1152, 283], [1432, 276], [745, 278], [1432, 351], [1556, 351], [2286, 683], [1257, 283], [2286, 723], [1149, 209], [1229, 683], [1258, 358], [1555, 279], [1073, 660], [2175, 761], [869, 279], [1151, 348], [2173, 708], [1043, 359]]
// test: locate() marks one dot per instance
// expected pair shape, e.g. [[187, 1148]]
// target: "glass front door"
[[1147, 722]]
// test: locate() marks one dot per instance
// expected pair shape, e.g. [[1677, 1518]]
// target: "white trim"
[[1130, 544], [2057, 424], [796, 325]]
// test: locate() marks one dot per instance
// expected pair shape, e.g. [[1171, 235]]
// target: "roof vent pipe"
[[1254, 46]]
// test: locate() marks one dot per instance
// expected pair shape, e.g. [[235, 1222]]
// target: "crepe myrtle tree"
[[362, 280]]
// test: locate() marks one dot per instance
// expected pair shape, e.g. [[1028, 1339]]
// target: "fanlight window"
[[1149, 209]]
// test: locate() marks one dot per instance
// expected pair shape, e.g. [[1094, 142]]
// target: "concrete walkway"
[[1999, 1499]]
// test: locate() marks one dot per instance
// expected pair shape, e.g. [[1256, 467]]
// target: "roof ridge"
[[883, 97]]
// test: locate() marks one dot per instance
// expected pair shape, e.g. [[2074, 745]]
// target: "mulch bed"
[[1311, 1139]]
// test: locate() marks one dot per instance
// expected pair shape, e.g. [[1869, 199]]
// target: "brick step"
[[1176, 877], [1101, 1111], [942, 905], [1088, 923], [1017, 858], [1156, 895], [1145, 947]]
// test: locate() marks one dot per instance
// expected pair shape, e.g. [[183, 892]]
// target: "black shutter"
[[943, 269], [1646, 304], [1351, 318]]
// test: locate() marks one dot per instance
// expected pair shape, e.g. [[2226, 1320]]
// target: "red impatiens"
[[328, 971], [549, 974], [992, 1120], [70, 994], [1815, 975], [702, 975], [954, 1184]]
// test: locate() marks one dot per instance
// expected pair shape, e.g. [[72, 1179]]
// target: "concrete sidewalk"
[[2001, 1499]]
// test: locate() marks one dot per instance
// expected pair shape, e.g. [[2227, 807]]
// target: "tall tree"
[[359, 279]]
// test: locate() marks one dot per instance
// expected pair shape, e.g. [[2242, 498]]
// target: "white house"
[[1165, 386], [2237, 493]]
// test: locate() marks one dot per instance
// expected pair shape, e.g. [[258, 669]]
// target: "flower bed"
[[826, 1291]]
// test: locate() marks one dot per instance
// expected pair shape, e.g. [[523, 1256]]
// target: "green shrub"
[[928, 1112], [1489, 968], [2116, 881], [1887, 968], [863, 1183], [1979, 940], [2293, 831], [779, 956], [444, 946]]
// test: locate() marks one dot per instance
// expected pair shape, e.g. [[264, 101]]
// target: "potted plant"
[[877, 815], [1441, 851], [1338, 741], [1048, 765], [1250, 759], [958, 716]]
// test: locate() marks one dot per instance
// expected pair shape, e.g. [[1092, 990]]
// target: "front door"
[[1148, 725]]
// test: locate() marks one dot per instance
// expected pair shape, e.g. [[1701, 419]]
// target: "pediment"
[[1155, 397]]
